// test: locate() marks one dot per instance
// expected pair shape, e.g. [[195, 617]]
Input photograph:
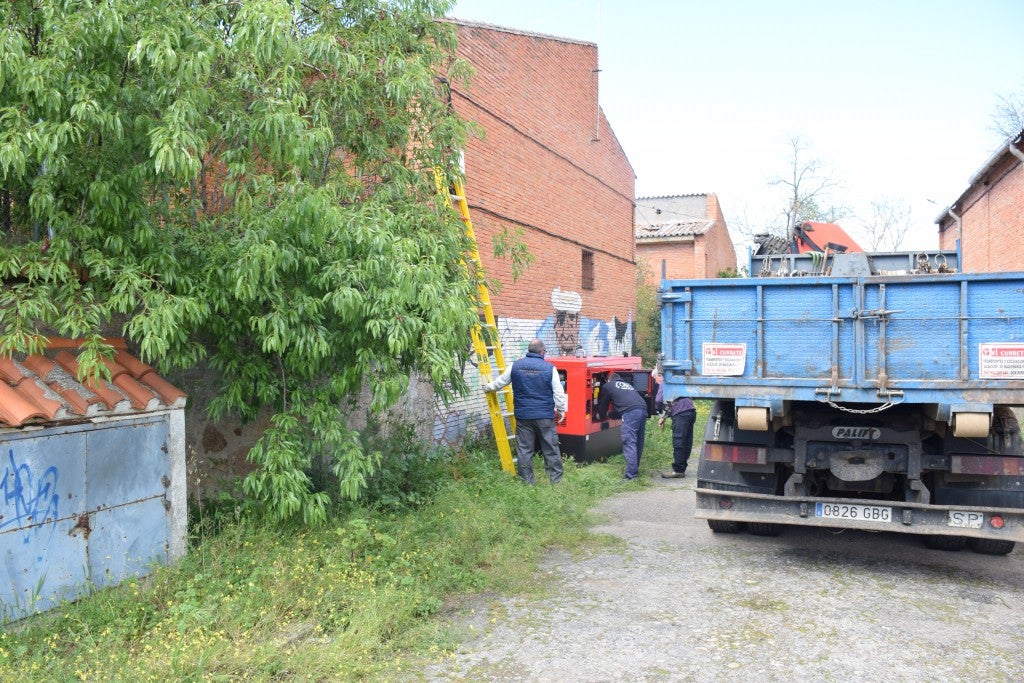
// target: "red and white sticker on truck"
[[723, 360], [1001, 361]]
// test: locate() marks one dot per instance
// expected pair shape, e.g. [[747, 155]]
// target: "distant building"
[[550, 171], [682, 236], [988, 218]]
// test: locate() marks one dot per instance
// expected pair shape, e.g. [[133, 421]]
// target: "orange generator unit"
[[581, 434]]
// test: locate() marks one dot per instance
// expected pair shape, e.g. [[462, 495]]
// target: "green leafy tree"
[[648, 316], [249, 183]]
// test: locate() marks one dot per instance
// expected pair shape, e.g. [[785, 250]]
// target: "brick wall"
[[549, 166], [677, 255], [992, 216], [720, 254]]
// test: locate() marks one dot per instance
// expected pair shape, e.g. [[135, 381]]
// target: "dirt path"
[[683, 604]]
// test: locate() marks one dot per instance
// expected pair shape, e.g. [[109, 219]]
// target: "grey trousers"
[[530, 433]]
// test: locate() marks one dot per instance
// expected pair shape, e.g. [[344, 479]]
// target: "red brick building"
[[549, 170], [682, 236], [988, 218]]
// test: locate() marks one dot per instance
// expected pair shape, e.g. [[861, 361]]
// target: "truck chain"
[[867, 411]]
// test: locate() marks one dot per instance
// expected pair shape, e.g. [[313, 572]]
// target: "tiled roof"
[[42, 388], [685, 228]]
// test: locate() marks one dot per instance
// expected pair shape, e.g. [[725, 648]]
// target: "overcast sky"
[[894, 97]]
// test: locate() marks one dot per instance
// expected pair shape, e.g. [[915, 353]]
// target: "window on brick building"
[[588, 271]]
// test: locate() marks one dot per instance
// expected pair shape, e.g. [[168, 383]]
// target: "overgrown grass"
[[353, 599]]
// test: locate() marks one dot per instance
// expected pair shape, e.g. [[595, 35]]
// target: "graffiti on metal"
[[28, 498]]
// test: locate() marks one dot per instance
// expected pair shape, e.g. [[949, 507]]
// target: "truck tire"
[[764, 528], [953, 543], [725, 526], [991, 546]]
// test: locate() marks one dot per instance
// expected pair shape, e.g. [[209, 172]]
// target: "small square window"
[[588, 271]]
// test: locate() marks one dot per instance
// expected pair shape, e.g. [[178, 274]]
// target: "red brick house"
[[550, 170], [988, 218], [682, 236]]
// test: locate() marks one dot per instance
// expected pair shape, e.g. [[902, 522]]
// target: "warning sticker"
[[1001, 361], [724, 360]]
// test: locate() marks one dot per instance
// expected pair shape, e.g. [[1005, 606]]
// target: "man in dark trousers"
[[539, 403], [683, 414], [631, 406]]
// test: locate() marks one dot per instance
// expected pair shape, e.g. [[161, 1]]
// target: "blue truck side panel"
[[873, 339]]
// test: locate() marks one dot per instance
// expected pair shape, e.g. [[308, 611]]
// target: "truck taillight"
[[996, 522], [748, 455], [725, 503]]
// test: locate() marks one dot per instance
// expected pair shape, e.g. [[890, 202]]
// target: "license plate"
[[863, 513], [966, 520]]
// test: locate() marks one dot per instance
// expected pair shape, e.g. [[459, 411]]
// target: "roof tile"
[[79, 404], [15, 408], [137, 394], [10, 372], [35, 393], [41, 365]]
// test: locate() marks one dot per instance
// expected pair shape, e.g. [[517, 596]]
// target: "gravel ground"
[[679, 603]]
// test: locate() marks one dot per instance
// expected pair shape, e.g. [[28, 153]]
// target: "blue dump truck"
[[860, 391]]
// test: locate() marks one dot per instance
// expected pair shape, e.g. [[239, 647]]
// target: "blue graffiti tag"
[[32, 502]]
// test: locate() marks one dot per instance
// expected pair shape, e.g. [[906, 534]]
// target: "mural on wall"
[[573, 334], [566, 332], [566, 321]]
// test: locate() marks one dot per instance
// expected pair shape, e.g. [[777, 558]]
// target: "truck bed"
[[949, 339]]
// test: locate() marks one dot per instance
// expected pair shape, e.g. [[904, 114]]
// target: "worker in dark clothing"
[[631, 406], [683, 415], [540, 403]]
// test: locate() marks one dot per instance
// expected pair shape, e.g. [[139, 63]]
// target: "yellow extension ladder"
[[487, 342]]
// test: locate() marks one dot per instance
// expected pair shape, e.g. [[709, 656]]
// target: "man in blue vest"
[[540, 402]]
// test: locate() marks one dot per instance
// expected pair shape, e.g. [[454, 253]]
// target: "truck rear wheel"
[[991, 546], [764, 528], [945, 542], [725, 526]]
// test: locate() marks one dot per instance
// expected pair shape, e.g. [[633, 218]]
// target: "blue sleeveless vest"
[[531, 388]]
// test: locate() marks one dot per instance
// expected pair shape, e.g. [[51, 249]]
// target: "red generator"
[[580, 434]]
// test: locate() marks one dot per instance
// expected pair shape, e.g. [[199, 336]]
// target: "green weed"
[[358, 597]]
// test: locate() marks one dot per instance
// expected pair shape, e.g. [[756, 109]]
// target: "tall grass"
[[353, 599]]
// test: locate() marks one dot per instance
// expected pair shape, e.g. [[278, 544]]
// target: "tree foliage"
[[248, 183], [648, 315]]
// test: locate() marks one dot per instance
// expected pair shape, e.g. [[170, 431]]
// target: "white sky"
[[894, 97]]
